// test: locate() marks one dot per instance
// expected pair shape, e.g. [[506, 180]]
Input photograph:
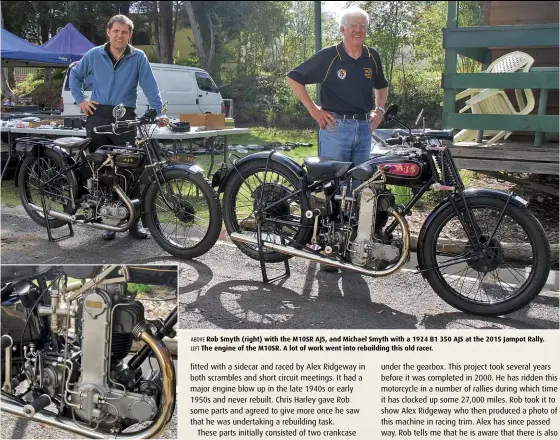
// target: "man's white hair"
[[352, 11]]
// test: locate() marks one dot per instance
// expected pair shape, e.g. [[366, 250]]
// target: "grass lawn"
[[258, 136], [10, 196]]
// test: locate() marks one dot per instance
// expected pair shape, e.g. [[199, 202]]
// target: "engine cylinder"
[[126, 316]]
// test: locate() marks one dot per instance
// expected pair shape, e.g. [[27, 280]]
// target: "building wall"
[[182, 48]]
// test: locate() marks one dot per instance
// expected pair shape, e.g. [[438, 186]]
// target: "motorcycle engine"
[[110, 168], [370, 248], [90, 372], [107, 388]]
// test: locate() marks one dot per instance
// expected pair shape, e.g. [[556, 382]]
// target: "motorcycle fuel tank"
[[398, 170]]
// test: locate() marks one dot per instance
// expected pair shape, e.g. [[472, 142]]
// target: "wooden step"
[[514, 157]]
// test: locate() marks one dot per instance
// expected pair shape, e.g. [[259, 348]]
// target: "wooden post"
[[318, 46], [450, 62], [543, 98]]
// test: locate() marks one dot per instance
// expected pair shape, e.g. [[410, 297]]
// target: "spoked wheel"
[[183, 214], [504, 275], [252, 189], [34, 173]]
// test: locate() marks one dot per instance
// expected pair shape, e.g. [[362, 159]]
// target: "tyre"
[[501, 279], [37, 170], [242, 201], [183, 214]]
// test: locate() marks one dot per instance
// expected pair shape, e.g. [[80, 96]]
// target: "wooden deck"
[[511, 157]]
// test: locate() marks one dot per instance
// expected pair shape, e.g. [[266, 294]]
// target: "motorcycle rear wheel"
[[252, 183], [507, 277], [36, 170], [193, 209]]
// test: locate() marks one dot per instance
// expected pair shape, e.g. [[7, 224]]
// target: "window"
[[205, 83]]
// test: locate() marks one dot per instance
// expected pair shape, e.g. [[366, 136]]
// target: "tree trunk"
[[48, 77], [200, 53], [123, 8], [11, 77], [166, 35], [157, 39], [6, 89]]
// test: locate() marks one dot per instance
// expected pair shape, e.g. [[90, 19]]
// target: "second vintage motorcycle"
[[481, 250], [60, 183]]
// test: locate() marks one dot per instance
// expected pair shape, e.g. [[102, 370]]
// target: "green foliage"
[[139, 288], [36, 82], [257, 43], [413, 90]]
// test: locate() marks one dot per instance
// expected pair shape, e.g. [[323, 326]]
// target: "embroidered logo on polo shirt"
[[368, 73], [341, 73]]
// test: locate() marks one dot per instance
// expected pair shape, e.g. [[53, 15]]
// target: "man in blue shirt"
[[116, 69]]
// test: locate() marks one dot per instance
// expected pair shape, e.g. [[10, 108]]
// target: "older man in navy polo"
[[348, 72]]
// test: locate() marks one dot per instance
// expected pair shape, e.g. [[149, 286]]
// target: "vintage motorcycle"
[[178, 205], [481, 250], [47, 320]]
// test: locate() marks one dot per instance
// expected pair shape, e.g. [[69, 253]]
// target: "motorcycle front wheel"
[[182, 212], [252, 187], [502, 278]]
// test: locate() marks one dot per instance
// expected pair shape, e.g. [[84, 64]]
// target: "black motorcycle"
[[178, 205], [481, 250], [77, 347]]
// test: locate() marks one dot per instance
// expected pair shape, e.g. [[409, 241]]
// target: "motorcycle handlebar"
[[395, 141], [122, 125], [103, 128]]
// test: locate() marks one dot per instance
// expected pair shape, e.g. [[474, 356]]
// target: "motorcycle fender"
[[469, 193], [66, 156], [220, 180]]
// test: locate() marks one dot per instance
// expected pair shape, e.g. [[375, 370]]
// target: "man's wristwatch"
[[381, 109]]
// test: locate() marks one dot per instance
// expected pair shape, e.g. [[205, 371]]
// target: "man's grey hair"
[[123, 19], [352, 11]]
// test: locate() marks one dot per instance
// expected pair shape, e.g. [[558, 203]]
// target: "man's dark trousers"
[[103, 115]]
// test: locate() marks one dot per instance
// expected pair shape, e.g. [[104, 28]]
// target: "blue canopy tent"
[[70, 42], [16, 52]]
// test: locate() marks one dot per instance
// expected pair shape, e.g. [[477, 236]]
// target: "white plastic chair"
[[495, 101]]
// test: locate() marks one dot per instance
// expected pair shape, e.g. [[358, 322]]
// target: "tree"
[[428, 38], [204, 54], [390, 30]]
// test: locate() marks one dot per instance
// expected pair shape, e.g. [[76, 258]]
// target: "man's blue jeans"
[[348, 141]]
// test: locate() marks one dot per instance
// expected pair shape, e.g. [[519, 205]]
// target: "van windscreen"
[[205, 83]]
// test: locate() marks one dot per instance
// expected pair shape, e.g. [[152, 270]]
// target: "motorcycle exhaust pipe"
[[72, 219], [142, 333], [347, 266], [171, 345], [49, 418]]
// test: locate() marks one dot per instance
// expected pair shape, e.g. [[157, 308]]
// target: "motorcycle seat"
[[322, 169], [72, 142]]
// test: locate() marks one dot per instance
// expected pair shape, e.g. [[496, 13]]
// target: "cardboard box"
[[45, 122], [215, 122], [208, 120], [195, 119]]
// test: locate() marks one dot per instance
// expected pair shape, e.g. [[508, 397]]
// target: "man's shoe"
[[138, 231], [109, 235]]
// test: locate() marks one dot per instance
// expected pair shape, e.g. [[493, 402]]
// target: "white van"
[[186, 90]]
